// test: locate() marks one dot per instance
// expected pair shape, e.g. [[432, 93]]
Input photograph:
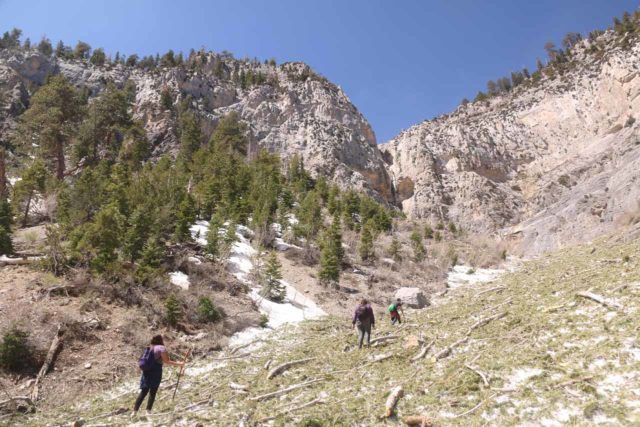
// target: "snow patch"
[[520, 376], [180, 279]]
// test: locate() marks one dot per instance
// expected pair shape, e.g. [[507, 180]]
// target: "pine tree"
[[213, 236], [51, 118], [137, 233], [6, 219], [98, 57], [82, 50], [331, 255], [185, 216], [230, 133], [190, 135], [419, 251], [166, 100], [394, 250], [152, 253], [45, 47], [207, 312], [272, 287], [173, 310], [365, 249]]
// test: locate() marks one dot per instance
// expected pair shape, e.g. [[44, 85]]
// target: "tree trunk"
[[54, 349], [26, 209], [3, 176], [59, 161]]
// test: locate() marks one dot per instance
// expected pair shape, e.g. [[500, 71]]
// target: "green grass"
[[553, 356]]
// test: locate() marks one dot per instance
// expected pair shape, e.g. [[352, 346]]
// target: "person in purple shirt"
[[364, 320], [150, 380]]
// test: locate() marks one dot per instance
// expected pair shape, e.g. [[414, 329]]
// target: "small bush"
[[15, 352], [437, 236], [310, 422], [173, 311], [503, 255], [264, 321], [207, 312]]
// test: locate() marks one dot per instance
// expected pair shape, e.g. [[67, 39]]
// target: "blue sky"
[[400, 62]]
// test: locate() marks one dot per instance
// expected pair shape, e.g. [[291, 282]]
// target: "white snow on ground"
[[199, 232], [194, 260], [13, 179], [522, 375], [296, 306], [464, 275], [180, 279]]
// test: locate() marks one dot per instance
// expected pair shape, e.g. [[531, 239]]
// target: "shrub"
[[173, 311], [264, 321], [15, 352], [428, 232], [207, 312], [437, 236]]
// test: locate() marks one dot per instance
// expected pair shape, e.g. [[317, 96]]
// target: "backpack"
[[392, 308], [362, 314], [148, 360]]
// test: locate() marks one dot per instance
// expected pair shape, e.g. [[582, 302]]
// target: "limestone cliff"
[[553, 162], [292, 109]]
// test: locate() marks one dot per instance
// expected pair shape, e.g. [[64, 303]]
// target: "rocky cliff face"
[[293, 111], [550, 163]]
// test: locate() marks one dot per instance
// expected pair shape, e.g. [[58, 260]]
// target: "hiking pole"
[[186, 356]]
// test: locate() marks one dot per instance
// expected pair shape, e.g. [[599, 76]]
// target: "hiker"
[[393, 310], [364, 320], [151, 362]]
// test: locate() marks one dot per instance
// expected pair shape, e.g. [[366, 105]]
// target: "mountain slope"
[[548, 357], [557, 160], [289, 109]]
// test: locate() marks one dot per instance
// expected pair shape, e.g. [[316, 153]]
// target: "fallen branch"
[[600, 300], [293, 409], [239, 387], [25, 399], [394, 396], [54, 349], [284, 390], [447, 350], [240, 347], [480, 374], [383, 339], [417, 420], [495, 288], [573, 381], [424, 351], [480, 323], [283, 367], [475, 407], [19, 261]]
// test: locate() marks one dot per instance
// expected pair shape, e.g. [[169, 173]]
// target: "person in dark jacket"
[[150, 380], [364, 320]]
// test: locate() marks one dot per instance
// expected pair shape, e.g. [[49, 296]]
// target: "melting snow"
[[179, 279], [522, 375]]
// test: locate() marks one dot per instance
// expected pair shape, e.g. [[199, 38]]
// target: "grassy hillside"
[[553, 358]]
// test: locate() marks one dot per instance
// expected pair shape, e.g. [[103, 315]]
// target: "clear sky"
[[400, 62]]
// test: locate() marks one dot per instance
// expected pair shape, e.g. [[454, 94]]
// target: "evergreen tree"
[[365, 249], [27, 44], [173, 310], [394, 250], [45, 47], [98, 57], [481, 96], [82, 50], [137, 233], [33, 181], [152, 253], [6, 220], [185, 216], [207, 312], [213, 236], [100, 240], [230, 133], [309, 216], [331, 254], [419, 251], [166, 100], [132, 60], [333, 200], [272, 287], [190, 135], [51, 118]]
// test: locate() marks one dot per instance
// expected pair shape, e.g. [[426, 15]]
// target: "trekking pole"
[[186, 356]]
